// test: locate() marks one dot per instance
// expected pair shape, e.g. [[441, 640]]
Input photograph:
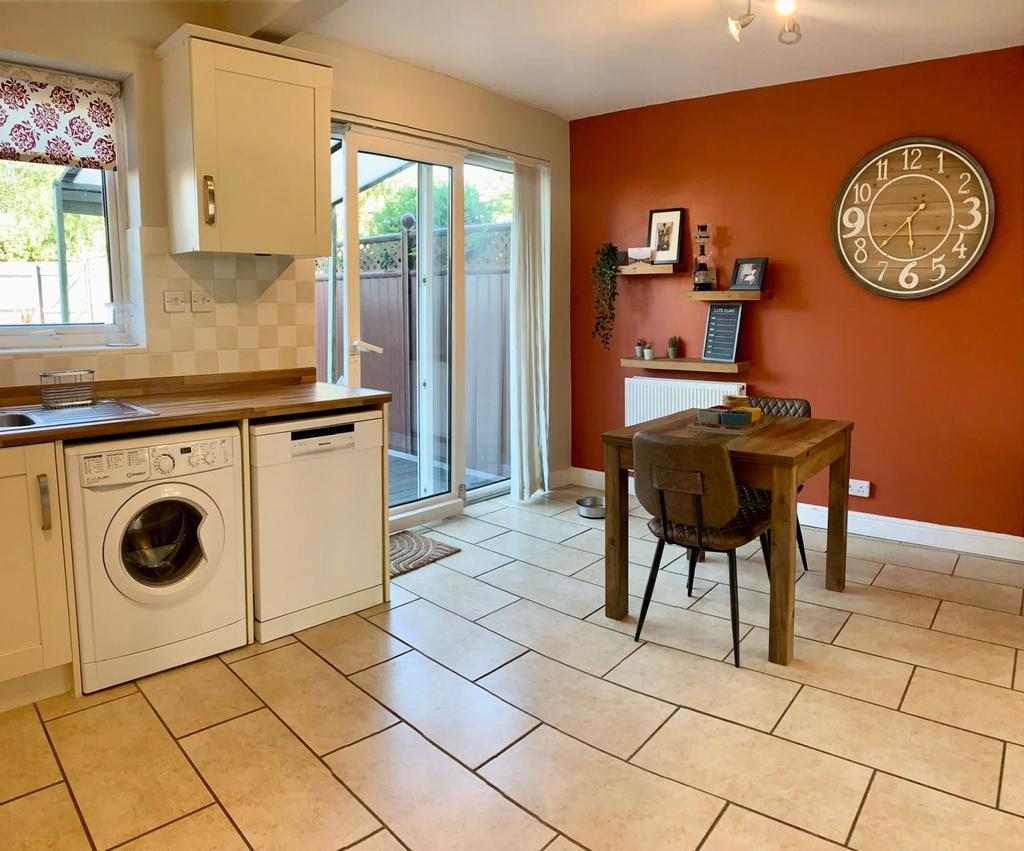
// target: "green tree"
[[387, 203]]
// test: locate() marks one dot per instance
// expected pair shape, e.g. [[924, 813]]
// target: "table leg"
[[783, 593], [838, 506], [616, 536]]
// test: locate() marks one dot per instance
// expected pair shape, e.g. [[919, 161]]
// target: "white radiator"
[[648, 398]]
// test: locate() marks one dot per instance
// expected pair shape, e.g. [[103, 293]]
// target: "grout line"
[[86, 708], [383, 829], [398, 721], [653, 733], [31, 792], [713, 825], [789, 705], [408, 649], [221, 722], [64, 777], [512, 602], [607, 673], [1002, 772], [860, 809], [906, 688], [508, 747], [214, 803]]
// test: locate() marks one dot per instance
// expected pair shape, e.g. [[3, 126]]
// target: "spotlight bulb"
[[786, 8]]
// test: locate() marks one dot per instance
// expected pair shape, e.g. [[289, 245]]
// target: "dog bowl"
[[591, 506]]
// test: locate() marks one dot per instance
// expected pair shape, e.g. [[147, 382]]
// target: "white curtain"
[[529, 331]]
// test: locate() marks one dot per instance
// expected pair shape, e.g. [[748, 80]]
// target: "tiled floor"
[[492, 705]]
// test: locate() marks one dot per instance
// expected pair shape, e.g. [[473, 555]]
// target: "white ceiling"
[[585, 57]]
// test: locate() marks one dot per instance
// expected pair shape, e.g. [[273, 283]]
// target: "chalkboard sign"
[[722, 332]]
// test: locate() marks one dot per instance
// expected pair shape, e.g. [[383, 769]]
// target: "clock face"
[[913, 217]]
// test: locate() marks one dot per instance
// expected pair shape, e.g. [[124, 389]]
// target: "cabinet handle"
[[44, 501], [211, 198]]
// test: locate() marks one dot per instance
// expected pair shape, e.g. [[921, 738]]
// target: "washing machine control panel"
[[122, 466]]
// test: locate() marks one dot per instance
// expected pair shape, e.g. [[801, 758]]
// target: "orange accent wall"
[[935, 386]]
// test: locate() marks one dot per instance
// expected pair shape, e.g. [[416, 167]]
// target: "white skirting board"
[[974, 541]]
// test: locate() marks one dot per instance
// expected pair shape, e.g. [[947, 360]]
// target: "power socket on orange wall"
[[860, 487]]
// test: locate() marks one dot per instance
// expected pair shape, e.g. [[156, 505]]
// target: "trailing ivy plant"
[[606, 277]]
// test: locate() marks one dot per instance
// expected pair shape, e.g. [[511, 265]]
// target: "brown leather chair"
[[688, 486], [780, 406]]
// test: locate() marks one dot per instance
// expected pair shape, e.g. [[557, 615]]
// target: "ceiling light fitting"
[[790, 32], [737, 25]]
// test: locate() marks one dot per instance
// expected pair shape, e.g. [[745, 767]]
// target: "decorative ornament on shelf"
[[789, 33], [606, 275], [703, 274]]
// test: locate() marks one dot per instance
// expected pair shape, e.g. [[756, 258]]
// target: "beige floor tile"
[[544, 505], [456, 643], [65, 704], [908, 555], [563, 844], [275, 790], [572, 596], [990, 570], [601, 802], [451, 590], [741, 829], [950, 653], [197, 695], [208, 829], [255, 649], [380, 841], [983, 624], [428, 800], [801, 786], [898, 814], [398, 597], [750, 573], [531, 523], [857, 569], [1018, 672], [670, 588], [815, 539], [739, 695], [680, 628], [466, 529], [826, 666], [571, 515], [43, 821], [604, 715], [352, 643], [320, 706], [456, 715], [470, 559], [1011, 797], [971, 705], [972, 592], [574, 642], [479, 509], [869, 600], [817, 622], [955, 761], [127, 774], [550, 556], [640, 552], [27, 760]]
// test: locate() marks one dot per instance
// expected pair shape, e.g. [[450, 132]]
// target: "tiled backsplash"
[[263, 318]]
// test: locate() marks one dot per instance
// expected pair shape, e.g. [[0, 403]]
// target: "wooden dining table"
[[779, 457]]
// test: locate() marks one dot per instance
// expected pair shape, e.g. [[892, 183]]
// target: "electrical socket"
[[202, 302], [860, 487], [174, 301]]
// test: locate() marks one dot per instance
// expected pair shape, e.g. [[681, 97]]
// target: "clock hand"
[[906, 222]]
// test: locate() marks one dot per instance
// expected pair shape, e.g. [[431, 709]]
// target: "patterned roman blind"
[[48, 117]]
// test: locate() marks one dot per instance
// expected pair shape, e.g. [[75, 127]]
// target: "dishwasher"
[[318, 520]]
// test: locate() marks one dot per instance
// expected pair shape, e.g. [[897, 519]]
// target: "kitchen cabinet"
[[247, 145], [34, 624]]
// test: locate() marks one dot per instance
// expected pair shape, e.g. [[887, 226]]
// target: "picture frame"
[[665, 235], [748, 273]]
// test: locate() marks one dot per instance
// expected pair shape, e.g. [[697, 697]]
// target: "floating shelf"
[[647, 269], [723, 295], [685, 364]]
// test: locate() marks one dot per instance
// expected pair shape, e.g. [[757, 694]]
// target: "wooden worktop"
[[195, 401]]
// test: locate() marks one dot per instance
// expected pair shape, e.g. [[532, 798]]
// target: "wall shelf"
[[648, 269], [723, 295], [685, 364]]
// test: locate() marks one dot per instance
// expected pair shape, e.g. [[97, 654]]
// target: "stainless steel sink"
[[36, 416]]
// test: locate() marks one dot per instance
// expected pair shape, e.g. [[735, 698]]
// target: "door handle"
[[210, 188], [44, 502]]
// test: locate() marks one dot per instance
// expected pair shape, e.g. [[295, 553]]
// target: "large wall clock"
[[913, 217]]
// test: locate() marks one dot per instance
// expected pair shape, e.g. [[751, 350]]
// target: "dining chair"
[[689, 488], [780, 406]]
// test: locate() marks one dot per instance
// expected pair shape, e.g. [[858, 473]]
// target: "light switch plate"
[[860, 487], [202, 302], [174, 301]]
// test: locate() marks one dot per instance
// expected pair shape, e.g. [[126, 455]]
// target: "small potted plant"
[[673, 347], [641, 344], [648, 351]]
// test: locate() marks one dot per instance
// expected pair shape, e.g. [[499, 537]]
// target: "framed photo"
[[664, 235], [748, 273]]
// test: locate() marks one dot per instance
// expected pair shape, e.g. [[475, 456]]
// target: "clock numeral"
[[911, 159], [965, 178], [885, 268], [908, 278], [861, 254], [976, 217], [938, 268], [960, 249], [883, 169], [942, 156], [861, 193], [854, 219]]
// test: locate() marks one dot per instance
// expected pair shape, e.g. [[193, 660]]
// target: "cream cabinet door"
[[261, 135], [34, 623]]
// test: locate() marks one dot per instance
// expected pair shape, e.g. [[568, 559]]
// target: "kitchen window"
[[60, 247]]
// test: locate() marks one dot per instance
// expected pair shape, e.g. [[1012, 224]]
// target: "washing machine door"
[[164, 543]]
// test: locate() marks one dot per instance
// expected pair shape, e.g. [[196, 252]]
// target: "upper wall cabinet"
[[247, 142]]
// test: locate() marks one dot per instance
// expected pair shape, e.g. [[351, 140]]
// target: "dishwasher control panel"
[[162, 461]]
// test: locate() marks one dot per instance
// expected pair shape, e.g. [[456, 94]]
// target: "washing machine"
[[157, 551]]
